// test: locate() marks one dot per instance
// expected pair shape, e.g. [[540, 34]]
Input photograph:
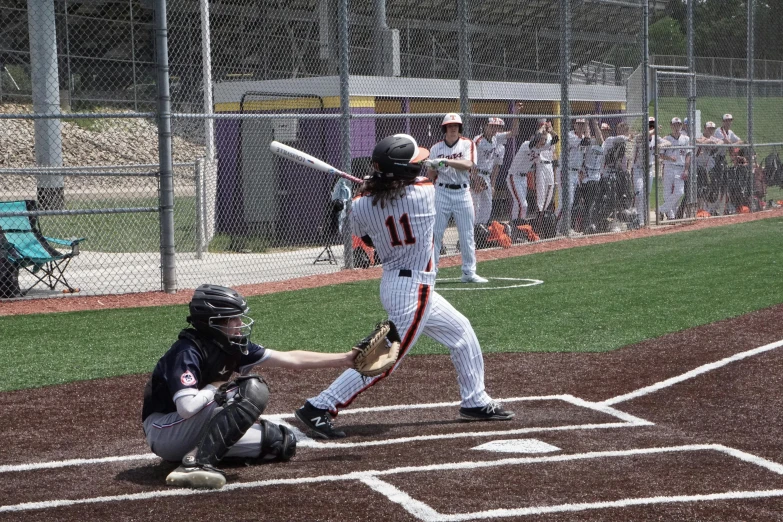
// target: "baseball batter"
[[490, 151], [449, 168], [396, 213], [194, 412], [675, 169], [521, 167]]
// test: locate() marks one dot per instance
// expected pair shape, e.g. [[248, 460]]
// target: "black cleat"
[[491, 412], [196, 476], [319, 421]]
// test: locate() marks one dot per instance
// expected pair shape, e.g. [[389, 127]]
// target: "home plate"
[[517, 446]]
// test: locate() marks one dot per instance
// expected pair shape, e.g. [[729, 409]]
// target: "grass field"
[[593, 299]]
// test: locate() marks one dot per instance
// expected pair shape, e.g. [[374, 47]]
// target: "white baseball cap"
[[605, 126], [676, 120], [580, 120], [710, 125], [496, 121], [728, 117], [651, 118]]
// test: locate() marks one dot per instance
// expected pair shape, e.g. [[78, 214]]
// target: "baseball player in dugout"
[[543, 146], [489, 145], [202, 404], [396, 213], [449, 168], [676, 163]]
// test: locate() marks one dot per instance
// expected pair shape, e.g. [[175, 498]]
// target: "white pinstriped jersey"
[[500, 154], [678, 154], [462, 149], [487, 149], [523, 160], [401, 231]]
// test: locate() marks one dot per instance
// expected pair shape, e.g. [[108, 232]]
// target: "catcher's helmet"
[[451, 117], [212, 308], [398, 157]]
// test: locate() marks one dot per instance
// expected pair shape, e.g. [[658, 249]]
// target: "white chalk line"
[[304, 441], [478, 288], [424, 512], [691, 374]]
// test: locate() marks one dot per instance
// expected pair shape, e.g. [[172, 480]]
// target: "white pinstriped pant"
[[482, 202], [417, 309], [457, 203], [517, 185]]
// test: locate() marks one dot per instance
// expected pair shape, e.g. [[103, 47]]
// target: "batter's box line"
[[628, 421], [307, 442], [426, 513]]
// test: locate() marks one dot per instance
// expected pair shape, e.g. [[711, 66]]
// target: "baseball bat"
[[302, 158]]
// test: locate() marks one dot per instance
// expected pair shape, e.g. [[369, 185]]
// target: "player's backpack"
[[545, 224], [9, 280]]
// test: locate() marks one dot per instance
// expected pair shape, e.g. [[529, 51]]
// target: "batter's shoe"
[[473, 278], [319, 421], [197, 476], [491, 412]]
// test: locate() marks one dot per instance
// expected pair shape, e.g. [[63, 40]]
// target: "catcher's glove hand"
[[378, 352]]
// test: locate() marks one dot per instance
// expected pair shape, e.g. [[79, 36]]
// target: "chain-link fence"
[[141, 128]]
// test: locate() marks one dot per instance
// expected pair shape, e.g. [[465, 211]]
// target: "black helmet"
[[398, 157], [210, 309]]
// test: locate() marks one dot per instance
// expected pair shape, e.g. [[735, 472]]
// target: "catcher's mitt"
[[378, 351]]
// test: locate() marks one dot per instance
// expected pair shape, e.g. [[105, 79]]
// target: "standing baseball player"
[[521, 167], [638, 170], [195, 413], [543, 145], [589, 183], [578, 142], [489, 146], [708, 182], [675, 169], [449, 169], [396, 213], [727, 137]]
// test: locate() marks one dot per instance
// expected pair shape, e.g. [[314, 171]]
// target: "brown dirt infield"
[[737, 405], [73, 303]]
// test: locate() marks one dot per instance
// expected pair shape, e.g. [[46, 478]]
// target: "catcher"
[[197, 412], [396, 214]]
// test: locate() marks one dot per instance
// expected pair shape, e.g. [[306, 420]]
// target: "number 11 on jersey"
[[406, 230]]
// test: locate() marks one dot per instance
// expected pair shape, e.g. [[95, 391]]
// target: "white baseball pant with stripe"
[[517, 186], [673, 189], [458, 203], [482, 201], [415, 308]]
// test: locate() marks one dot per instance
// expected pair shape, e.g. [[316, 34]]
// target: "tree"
[[666, 37]]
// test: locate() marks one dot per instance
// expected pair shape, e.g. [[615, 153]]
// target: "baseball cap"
[[496, 121], [651, 118], [685, 121], [728, 117], [541, 120], [605, 126], [676, 120], [580, 120], [710, 125]]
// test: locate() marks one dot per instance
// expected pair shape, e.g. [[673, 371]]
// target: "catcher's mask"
[[398, 157], [220, 313]]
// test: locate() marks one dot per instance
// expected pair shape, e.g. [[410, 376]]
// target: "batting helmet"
[[451, 117], [211, 309], [398, 157]]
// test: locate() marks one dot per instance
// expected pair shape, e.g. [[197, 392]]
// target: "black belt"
[[453, 187], [546, 162], [406, 273]]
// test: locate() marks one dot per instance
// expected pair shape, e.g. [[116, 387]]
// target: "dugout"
[[261, 194]]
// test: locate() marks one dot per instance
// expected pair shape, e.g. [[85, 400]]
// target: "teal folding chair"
[[25, 248]]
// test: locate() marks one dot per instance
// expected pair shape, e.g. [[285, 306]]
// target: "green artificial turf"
[[593, 299]]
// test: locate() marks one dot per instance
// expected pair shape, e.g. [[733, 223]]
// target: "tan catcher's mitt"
[[378, 351]]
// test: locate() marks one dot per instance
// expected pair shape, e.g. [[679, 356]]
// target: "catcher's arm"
[[304, 360]]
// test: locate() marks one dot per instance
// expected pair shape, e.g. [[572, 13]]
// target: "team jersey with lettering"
[[720, 133], [462, 149], [546, 154], [486, 149], [500, 154], [576, 152], [594, 156], [188, 366], [679, 154], [523, 160], [401, 231]]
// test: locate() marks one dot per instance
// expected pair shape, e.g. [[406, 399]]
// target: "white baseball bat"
[[302, 158]]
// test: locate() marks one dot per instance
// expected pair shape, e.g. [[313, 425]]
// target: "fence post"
[[345, 118], [464, 63], [751, 69], [691, 196], [200, 214], [646, 111], [166, 203], [565, 113]]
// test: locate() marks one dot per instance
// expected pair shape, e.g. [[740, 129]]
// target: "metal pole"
[[133, 59], [464, 63], [751, 57], [166, 203], [565, 112], [44, 75], [345, 118], [206, 71], [646, 110], [690, 206], [655, 141]]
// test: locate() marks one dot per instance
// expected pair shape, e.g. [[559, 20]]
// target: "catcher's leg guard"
[[277, 442], [231, 423]]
